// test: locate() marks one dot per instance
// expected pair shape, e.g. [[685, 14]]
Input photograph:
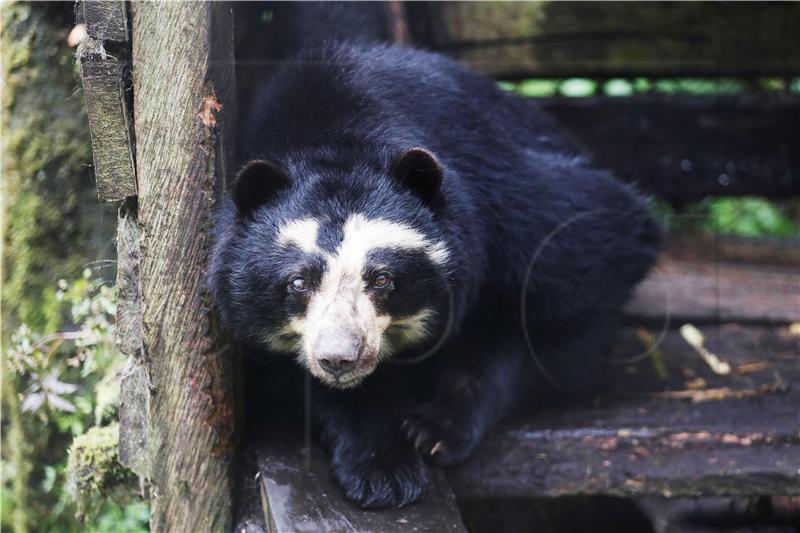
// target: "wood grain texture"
[[298, 495], [134, 408], [105, 20], [109, 121], [697, 291], [737, 436], [609, 39], [183, 65]]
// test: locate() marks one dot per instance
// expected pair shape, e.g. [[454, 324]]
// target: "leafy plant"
[[747, 216], [64, 378]]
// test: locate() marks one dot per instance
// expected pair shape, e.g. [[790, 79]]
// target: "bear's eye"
[[298, 284], [381, 280]]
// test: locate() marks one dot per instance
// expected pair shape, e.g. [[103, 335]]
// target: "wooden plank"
[[109, 121], [183, 72], [702, 291], [298, 495], [647, 443], [609, 39], [134, 404], [683, 149], [703, 246], [106, 20]]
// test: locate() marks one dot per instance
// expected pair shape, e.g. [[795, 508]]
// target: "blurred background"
[[60, 366], [696, 103]]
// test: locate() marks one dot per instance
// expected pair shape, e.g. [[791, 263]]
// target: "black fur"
[[514, 189]]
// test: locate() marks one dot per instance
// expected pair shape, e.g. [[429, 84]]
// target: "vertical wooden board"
[[109, 123], [181, 111], [134, 408], [134, 417], [104, 19]]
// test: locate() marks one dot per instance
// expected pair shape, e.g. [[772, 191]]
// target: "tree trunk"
[[183, 114]]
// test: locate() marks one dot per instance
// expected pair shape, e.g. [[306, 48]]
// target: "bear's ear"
[[418, 170], [258, 183]]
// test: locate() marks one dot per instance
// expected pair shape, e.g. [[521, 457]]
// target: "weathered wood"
[[644, 443], [106, 20], [181, 114], [298, 495], [109, 121], [134, 399], [683, 149], [702, 246], [702, 291], [609, 39]]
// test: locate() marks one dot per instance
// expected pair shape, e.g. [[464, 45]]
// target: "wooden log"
[[183, 74], [734, 435], [702, 291], [683, 149], [298, 495], [703, 246], [607, 39], [104, 85]]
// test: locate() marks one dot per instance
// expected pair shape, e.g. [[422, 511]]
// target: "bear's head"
[[341, 267]]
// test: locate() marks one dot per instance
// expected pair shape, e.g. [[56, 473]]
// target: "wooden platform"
[[670, 426], [297, 494], [690, 432]]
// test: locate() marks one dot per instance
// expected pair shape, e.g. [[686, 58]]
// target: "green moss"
[[52, 225], [93, 466], [52, 216], [107, 394]]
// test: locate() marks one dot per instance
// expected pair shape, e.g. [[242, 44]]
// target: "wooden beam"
[[608, 39], [106, 20], [104, 87], [298, 495], [183, 79], [680, 290], [739, 249], [735, 434], [134, 405]]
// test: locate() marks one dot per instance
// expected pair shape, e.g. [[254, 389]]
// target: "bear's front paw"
[[392, 479], [441, 433]]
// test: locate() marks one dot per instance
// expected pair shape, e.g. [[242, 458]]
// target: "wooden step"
[[701, 291], [297, 494], [688, 432]]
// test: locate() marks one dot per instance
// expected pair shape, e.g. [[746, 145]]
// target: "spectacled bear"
[[428, 247]]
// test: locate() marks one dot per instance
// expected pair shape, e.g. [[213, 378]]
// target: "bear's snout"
[[338, 352]]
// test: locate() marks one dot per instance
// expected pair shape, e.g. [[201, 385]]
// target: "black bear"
[[429, 247]]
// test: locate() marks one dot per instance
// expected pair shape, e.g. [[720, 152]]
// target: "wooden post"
[[102, 58], [184, 105]]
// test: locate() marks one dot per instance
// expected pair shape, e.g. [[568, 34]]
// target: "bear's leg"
[[483, 388], [371, 460], [470, 398]]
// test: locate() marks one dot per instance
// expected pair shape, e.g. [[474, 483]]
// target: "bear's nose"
[[337, 364], [337, 354]]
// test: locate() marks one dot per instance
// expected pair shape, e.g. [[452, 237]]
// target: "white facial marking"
[[362, 235], [301, 233], [407, 330], [341, 305]]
